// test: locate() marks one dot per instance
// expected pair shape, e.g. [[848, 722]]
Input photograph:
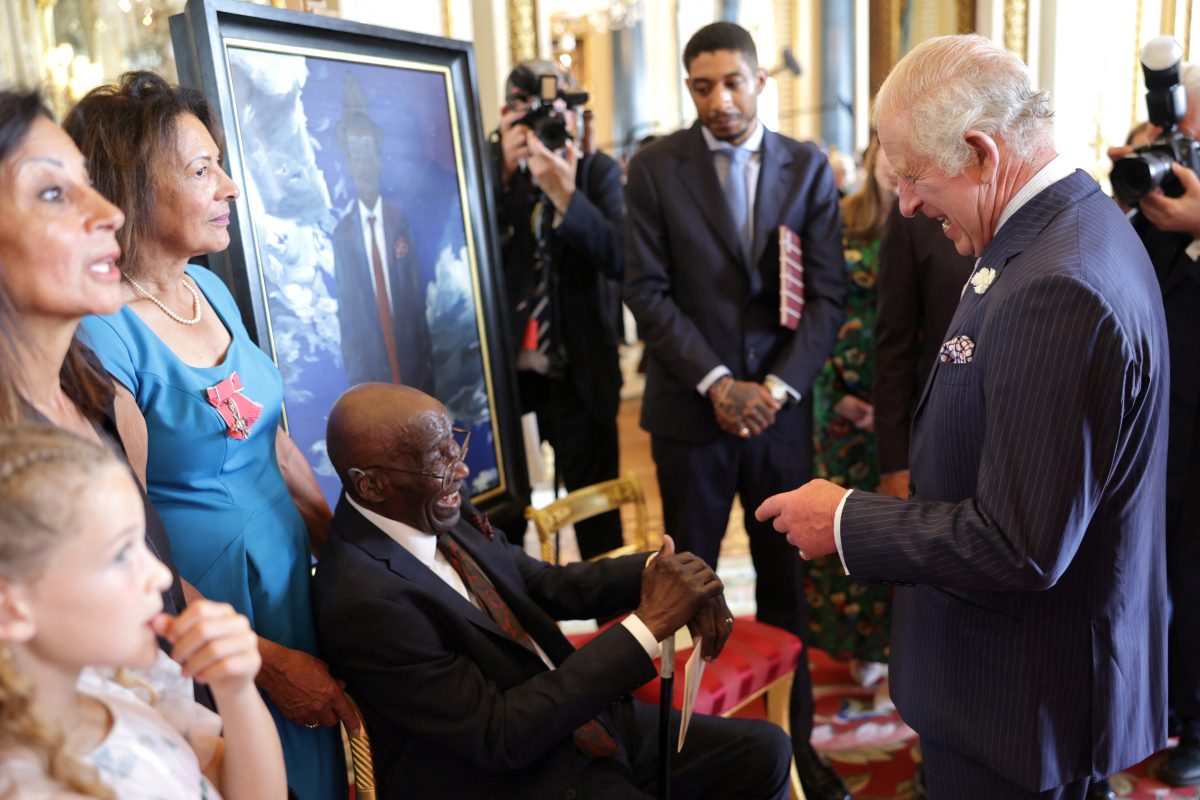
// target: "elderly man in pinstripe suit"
[[1029, 640]]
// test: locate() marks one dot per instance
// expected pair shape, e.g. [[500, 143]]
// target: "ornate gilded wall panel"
[[966, 16], [1016, 30], [885, 40], [522, 30]]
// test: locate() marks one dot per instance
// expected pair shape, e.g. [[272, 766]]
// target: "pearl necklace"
[[196, 307]]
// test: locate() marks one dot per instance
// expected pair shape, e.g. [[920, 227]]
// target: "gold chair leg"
[[779, 700]]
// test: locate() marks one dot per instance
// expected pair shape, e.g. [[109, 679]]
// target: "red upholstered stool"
[[758, 660]]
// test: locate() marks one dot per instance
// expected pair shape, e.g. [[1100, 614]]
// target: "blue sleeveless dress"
[[235, 533]]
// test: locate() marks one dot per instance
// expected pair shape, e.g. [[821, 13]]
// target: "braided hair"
[[40, 465]]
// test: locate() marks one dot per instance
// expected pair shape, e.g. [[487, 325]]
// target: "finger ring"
[[803, 554], [744, 432], [311, 725]]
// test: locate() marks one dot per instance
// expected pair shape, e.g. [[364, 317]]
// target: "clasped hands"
[[680, 589], [742, 408]]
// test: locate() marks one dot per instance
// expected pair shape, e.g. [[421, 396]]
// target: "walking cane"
[[666, 698]]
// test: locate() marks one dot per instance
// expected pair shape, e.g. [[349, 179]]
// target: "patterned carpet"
[[875, 752]]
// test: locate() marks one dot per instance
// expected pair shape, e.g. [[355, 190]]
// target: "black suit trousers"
[[586, 449], [1183, 582], [949, 776], [721, 758]]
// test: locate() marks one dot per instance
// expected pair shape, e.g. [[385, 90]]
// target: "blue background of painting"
[[419, 179]]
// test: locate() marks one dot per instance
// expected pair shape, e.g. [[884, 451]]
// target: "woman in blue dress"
[[198, 404]]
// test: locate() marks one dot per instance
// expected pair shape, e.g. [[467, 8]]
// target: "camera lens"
[[1135, 175], [552, 131]]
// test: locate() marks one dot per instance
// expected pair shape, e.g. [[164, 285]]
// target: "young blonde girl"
[[80, 596]]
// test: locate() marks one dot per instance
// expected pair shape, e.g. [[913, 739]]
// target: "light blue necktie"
[[735, 195]]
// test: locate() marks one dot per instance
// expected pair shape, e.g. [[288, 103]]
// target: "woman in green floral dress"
[[851, 619]]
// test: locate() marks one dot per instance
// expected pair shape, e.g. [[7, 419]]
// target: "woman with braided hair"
[[66, 724]]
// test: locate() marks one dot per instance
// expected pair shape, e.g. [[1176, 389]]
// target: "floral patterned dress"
[[848, 618]]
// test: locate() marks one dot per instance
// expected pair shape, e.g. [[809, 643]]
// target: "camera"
[[1149, 167], [545, 116]]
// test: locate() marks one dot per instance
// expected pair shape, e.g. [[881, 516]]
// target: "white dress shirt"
[[423, 547], [377, 212], [753, 143]]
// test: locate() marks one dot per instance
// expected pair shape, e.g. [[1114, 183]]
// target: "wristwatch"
[[778, 390]]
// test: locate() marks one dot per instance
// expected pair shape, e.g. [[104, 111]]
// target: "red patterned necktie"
[[382, 306], [590, 738]]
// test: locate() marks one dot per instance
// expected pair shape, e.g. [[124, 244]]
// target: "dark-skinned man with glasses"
[[446, 636]]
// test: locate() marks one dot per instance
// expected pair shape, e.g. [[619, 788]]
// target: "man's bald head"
[[373, 423]]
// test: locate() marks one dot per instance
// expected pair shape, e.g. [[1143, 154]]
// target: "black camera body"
[[544, 117], [1149, 167]]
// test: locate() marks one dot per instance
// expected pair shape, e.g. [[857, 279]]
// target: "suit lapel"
[[358, 530], [356, 241], [1010, 241], [511, 588], [774, 181], [699, 177]]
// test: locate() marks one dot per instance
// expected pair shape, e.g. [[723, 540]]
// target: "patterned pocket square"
[[959, 350]]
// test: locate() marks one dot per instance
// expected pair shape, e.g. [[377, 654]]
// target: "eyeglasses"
[[447, 476]]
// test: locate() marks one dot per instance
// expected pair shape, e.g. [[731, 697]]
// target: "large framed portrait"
[[363, 245]]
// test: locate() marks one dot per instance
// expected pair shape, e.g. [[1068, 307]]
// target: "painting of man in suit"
[[381, 308], [1029, 638]]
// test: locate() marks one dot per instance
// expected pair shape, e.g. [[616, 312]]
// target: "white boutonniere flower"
[[982, 279]]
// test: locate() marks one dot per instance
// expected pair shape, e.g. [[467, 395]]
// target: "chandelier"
[[595, 15]]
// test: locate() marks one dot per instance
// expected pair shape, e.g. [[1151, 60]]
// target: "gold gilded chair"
[[588, 502], [759, 661], [362, 762]]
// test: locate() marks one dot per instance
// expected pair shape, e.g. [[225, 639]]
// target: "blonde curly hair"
[[39, 466]]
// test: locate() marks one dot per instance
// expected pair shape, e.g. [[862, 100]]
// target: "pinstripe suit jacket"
[[1034, 639]]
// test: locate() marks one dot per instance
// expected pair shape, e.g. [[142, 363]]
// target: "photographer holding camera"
[[561, 219], [1159, 181]]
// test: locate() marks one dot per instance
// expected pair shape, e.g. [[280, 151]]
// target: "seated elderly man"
[[446, 635]]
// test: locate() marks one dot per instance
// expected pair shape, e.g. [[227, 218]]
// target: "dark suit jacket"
[[1035, 641], [587, 249], [921, 276], [700, 305], [456, 708], [363, 350], [1179, 281]]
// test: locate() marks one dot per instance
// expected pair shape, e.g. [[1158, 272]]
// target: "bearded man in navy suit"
[[1029, 641]]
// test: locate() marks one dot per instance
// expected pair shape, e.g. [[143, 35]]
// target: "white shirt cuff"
[[837, 530], [1193, 250], [712, 377], [643, 635], [792, 393]]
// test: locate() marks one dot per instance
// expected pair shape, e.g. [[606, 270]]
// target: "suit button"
[[570, 794], [912, 489]]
